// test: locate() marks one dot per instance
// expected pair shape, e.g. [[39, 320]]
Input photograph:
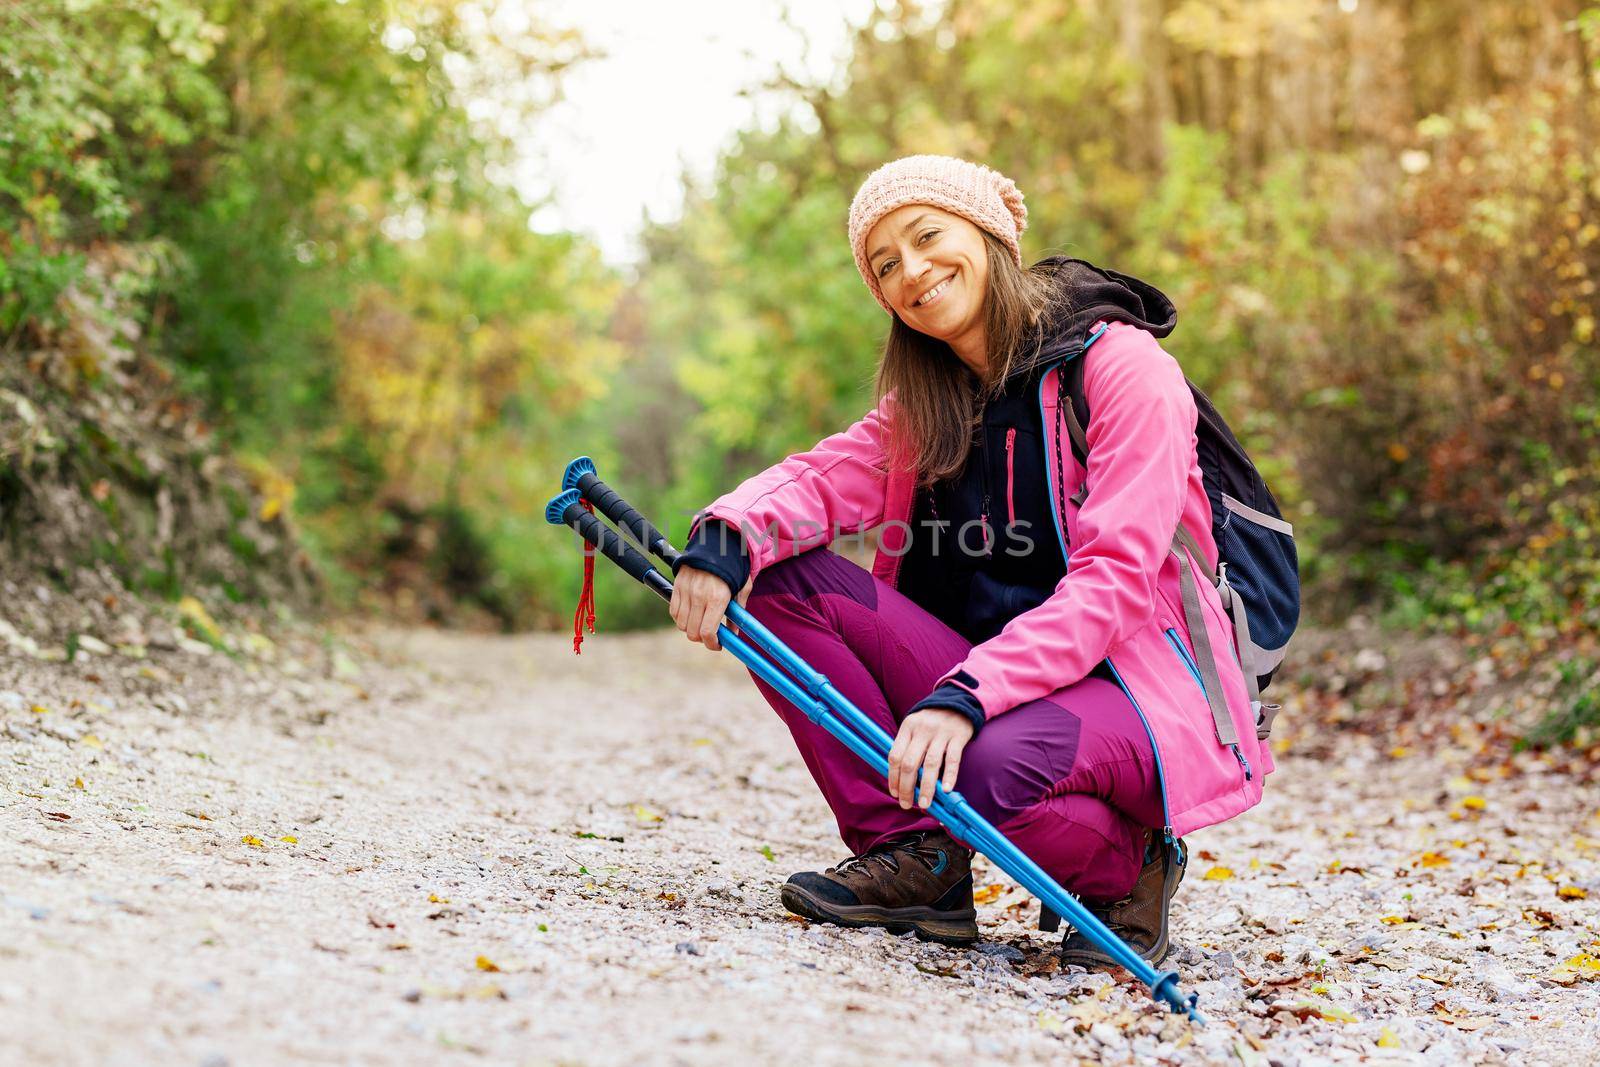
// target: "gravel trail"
[[449, 848]]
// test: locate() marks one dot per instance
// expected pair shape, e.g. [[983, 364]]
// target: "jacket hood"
[[1086, 294]]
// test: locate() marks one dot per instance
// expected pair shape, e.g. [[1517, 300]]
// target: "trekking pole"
[[809, 690], [581, 475]]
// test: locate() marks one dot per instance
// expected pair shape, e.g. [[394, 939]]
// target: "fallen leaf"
[[434, 898], [766, 850], [199, 620], [1474, 803], [486, 964], [988, 894], [1219, 874], [1247, 1055], [1433, 859], [253, 841], [645, 816], [1331, 1014], [483, 992], [1572, 892], [58, 816], [39, 709], [1580, 968], [92, 741], [289, 839], [1043, 966], [77, 783], [1387, 1039], [1392, 920]]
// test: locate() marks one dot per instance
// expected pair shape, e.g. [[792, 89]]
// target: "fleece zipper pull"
[[1011, 476]]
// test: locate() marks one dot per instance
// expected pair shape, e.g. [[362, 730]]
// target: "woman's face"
[[933, 268]]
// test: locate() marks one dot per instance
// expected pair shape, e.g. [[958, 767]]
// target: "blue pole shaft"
[[811, 692]]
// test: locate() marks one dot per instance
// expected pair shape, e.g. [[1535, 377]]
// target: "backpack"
[[1257, 573]]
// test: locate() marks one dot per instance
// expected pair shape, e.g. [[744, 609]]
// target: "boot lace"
[[885, 855], [880, 855]]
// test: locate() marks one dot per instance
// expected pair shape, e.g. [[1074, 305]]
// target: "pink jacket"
[[1119, 600]]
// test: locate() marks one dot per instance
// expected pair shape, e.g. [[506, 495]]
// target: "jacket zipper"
[[1194, 671], [1011, 476], [1054, 433]]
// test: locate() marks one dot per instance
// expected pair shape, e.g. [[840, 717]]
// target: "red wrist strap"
[[585, 612]]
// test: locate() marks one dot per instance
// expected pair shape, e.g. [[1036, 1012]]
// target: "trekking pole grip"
[[567, 509], [581, 476]]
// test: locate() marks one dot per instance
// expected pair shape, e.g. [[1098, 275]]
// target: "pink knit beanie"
[[984, 197]]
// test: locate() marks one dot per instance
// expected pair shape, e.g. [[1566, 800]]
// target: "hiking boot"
[[919, 884], [1139, 918]]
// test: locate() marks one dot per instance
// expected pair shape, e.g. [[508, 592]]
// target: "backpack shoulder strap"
[[1076, 410]]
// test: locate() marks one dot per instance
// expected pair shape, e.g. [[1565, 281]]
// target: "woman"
[[1055, 696]]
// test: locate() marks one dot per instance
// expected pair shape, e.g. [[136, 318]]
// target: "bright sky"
[[666, 97]]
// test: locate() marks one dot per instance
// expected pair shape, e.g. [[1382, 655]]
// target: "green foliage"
[[1577, 717], [1378, 226], [287, 203], [1391, 299]]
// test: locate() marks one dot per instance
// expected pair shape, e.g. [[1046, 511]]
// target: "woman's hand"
[[699, 600], [930, 740]]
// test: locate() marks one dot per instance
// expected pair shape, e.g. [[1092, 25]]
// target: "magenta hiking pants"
[[1071, 778]]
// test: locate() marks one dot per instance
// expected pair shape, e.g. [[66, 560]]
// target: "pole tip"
[[555, 512], [575, 470]]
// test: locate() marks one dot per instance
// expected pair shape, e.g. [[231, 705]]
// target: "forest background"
[[268, 305]]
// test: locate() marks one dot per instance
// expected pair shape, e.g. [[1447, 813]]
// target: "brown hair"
[[937, 401]]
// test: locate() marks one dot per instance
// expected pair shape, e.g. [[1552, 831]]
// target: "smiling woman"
[[987, 656], [932, 268]]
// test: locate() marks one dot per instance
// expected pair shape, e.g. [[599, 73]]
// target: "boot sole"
[[1092, 960], [945, 927]]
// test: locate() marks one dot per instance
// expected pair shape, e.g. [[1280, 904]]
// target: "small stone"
[[91, 643], [689, 948], [1369, 659], [1009, 953], [1105, 1033]]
